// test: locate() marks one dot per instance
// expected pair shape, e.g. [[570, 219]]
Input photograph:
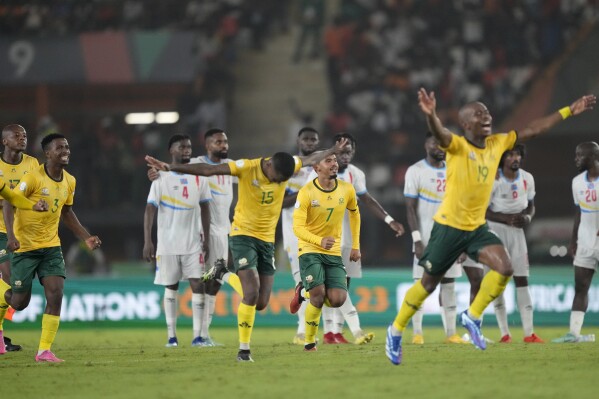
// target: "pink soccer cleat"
[[47, 356], [2, 346]]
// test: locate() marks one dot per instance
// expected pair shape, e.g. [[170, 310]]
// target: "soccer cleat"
[[244, 355], [297, 299], [299, 339], [197, 341], [364, 338], [47, 356], [310, 347], [393, 347], [506, 339], [340, 338], [473, 327], [566, 339], [455, 339], [329, 338], [217, 271], [210, 342], [418, 339], [172, 343], [533, 339], [10, 347]]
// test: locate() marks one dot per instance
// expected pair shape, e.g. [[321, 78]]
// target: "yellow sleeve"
[[298, 164], [72, 184], [454, 145], [237, 167], [300, 215], [16, 199], [354, 218]]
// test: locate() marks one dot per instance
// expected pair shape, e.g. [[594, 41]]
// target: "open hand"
[[584, 103], [40, 206], [157, 164], [427, 101]]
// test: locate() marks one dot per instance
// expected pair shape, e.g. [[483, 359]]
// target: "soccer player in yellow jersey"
[[317, 223], [261, 188], [460, 226], [13, 165], [39, 252]]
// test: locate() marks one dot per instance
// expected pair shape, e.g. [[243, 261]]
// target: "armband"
[[565, 112]]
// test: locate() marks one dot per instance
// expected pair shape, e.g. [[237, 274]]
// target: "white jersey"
[[427, 184], [221, 189], [585, 194], [294, 184], [512, 197], [354, 175], [178, 197]]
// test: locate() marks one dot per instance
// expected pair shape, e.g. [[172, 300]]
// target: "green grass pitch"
[[133, 363]]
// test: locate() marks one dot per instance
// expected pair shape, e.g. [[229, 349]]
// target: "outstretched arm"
[[544, 124], [381, 213], [199, 169], [428, 105], [318, 156]]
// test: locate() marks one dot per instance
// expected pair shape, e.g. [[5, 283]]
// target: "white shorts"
[[455, 271], [218, 248], [170, 269], [353, 269], [514, 242], [587, 258]]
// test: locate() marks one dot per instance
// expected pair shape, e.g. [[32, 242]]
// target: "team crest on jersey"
[[183, 181], [314, 203], [514, 186], [591, 185], [255, 183], [45, 190], [440, 175]]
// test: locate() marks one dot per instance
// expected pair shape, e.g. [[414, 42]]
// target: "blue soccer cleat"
[[393, 347], [198, 341], [172, 342], [473, 327]]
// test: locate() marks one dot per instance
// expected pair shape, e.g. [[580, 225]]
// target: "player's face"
[[217, 145], [16, 139], [513, 160], [327, 168], [59, 152], [307, 142], [181, 151], [345, 157], [582, 158], [272, 174], [479, 121], [432, 149]]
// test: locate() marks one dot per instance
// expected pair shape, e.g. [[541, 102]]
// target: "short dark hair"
[[212, 132], [284, 164], [307, 129], [176, 138], [520, 148], [348, 136], [49, 138]]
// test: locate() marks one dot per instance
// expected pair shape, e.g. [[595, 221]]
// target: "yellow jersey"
[[12, 174], [470, 176], [259, 200], [319, 213], [36, 230]]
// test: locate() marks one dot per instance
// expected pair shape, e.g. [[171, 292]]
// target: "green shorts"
[[4, 254], [447, 244], [252, 253], [43, 262], [317, 269]]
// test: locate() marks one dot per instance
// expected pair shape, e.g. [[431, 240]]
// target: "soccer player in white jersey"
[[424, 190], [307, 142], [334, 317], [183, 230], [585, 234], [511, 208]]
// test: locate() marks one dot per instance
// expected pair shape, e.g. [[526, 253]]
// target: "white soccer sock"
[[301, 318], [327, 317], [197, 313], [449, 308], [170, 311], [209, 304], [350, 313], [501, 315], [525, 308], [576, 320], [338, 321], [417, 322]]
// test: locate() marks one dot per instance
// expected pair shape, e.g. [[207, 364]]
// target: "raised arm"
[[428, 105], [544, 124], [199, 169], [318, 156]]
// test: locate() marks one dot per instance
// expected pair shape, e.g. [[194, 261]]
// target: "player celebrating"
[[262, 184], [585, 234], [183, 235], [510, 210], [424, 190], [39, 252], [317, 222], [460, 226]]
